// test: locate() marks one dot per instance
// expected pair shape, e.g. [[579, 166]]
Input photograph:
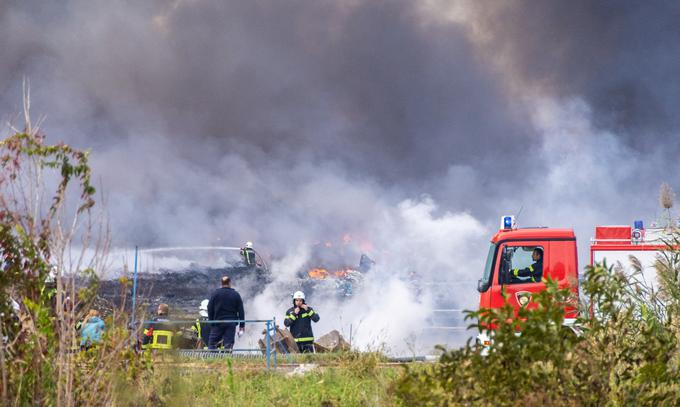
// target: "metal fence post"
[[268, 347], [134, 290], [275, 351]]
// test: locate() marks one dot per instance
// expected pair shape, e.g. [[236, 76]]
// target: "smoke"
[[412, 124], [421, 259]]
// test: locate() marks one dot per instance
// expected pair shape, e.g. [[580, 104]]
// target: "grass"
[[296, 358], [350, 379]]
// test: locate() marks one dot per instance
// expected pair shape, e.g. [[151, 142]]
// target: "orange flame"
[[342, 273], [318, 273]]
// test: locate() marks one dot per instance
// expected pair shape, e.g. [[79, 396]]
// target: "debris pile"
[[285, 343], [183, 289], [331, 342], [341, 283]]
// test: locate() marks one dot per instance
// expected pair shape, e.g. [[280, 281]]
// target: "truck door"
[[521, 267]]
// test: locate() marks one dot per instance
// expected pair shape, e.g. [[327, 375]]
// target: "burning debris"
[[330, 271], [343, 282]]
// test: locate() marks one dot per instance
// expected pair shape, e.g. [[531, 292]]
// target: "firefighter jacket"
[[202, 330], [300, 324], [248, 256], [159, 334], [226, 304], [533, 273]]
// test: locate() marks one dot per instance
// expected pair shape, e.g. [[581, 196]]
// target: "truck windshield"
[[486, 278]]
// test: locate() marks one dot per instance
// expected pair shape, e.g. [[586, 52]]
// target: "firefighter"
[[202, 328], [160, 332], [299, 319], [534, 272], [248, 254]]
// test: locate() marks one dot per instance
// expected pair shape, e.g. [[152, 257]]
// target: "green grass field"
[[334, 380]]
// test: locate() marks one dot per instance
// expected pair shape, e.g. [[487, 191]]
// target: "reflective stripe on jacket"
[[532, 273], [159, 335], [300, 324], [248, 256]]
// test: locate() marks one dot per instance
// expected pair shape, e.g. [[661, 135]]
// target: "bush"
[[53, 249], [627, 353]]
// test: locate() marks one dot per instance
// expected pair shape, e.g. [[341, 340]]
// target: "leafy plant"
[[53, 248], [626, 353]]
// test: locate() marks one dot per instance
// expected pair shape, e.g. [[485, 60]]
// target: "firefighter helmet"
[[299, 295], [249, 245], [203, 309]]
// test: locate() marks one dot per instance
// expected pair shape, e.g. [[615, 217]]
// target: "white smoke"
[[592, 176], [276, 297], [421, 259]]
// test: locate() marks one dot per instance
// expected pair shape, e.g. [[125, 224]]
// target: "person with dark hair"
[[299, 319], [534, 272], [225, 304]]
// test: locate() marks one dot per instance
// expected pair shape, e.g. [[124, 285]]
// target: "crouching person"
[[159, 333], [201, 327], [91, 330], [299, 319]]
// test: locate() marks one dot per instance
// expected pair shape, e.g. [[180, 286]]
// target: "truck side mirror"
[[482, 285]]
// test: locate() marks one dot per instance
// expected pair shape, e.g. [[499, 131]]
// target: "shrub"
[[627, 352], [53, 248]]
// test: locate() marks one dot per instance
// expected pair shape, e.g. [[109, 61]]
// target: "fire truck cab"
[[513, 250]]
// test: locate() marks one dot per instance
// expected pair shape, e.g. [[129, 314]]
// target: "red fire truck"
[[512, 249]]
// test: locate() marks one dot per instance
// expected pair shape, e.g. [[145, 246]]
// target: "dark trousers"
[[306, 347], [222, 332]]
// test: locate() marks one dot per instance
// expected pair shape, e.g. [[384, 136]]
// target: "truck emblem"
[[523, 298]]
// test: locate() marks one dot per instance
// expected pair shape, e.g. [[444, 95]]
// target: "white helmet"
[[203, 309], [299, 295], [249, 245]]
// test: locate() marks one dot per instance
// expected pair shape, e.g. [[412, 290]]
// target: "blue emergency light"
[[637, 233], [507, 222]]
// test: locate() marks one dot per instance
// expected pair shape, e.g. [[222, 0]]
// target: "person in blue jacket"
[[91, 330]]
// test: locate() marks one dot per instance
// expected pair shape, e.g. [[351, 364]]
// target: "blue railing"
[[270, 331]]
